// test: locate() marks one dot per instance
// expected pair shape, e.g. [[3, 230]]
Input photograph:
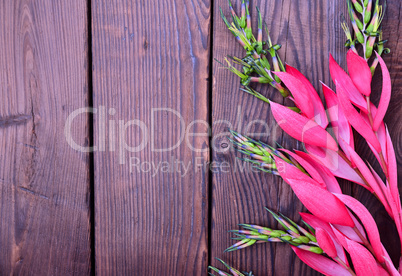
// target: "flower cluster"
[[339, 225]]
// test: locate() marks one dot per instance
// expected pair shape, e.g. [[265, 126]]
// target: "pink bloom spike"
[[369, 224], [363, 262], [316, 199], [392, 171], [340, 76], [315, 222], [325, 242], [382, 138], [375, 186], [347, 232], [329, 179], [289, 172], [356, 120], [386, 189], [302, 128], [340, 124], [385, 94], [335, 164], [299, 92], [320, 115], [359, 72], [308, 167], [320, 263], [341, 237]]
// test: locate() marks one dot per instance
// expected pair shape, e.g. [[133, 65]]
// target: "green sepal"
[[367, 16], [358, 7]]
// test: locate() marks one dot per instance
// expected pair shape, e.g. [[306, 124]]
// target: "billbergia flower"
[[338, 225]]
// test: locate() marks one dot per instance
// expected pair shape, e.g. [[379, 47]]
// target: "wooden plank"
[[44, 183], [147, 55], [308, 31], [393, 118]]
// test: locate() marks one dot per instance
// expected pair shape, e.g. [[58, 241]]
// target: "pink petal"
[[290, 172], [325, 242], [320, 263], [316, 199], [381, 136], [356, 120], [320, 116], [363, 262], [328, 178], [308, 167], [386, 189], [315, 222], [368, 176], [301, 128], [347, 232], [369, 224], [336, 164], [341, 237], [392, 171], [359, 72], [385, 94], [339, 123], [299, 92], [340, 76]]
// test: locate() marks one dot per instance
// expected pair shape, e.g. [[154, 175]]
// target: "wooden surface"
[[151, 54], [143, 65], [44, 184]]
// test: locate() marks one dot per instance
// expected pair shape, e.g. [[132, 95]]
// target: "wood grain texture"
[[147, 55], [44, 208]]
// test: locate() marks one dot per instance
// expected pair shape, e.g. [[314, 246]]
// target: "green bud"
[[369, 28], [295, 109], [367, 16], [358, 7], [359, 23], [360, 37], [316, 250], [275, 234], [265, 63], [304, 239], [365, 3], [249, 33], [287, 238], [369, 49], [242, 22], [297, 241]]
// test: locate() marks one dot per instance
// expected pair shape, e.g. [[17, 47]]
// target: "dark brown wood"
[[44, 183], [147, 55]]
